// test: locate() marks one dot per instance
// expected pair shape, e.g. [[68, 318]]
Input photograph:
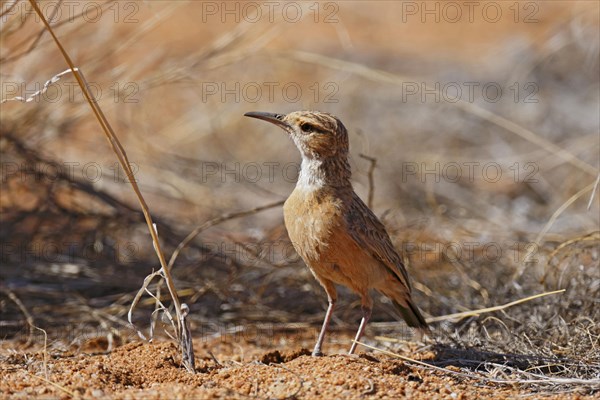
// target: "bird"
[[337, 236]]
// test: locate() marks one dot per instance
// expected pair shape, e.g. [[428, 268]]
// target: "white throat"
[[311, 175]]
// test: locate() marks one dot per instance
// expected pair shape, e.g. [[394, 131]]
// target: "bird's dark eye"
[[308, 127]]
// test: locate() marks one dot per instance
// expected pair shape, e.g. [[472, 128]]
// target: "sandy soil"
[[227, 368]]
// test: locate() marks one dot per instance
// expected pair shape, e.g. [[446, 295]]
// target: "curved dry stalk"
[[56, 385], [137, 298], [591, 237], [31, 323], [28, 317], [40, 92], [560, 210], [124, 162], [475, 313]]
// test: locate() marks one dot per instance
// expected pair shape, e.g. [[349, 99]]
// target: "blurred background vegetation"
[[482, 119]]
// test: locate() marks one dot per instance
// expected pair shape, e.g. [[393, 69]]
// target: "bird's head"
[[318, 135]]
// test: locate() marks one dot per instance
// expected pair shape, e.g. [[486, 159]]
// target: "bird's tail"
[[412, 315]]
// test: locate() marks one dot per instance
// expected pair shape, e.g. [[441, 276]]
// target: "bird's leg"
[[317, 351], [331, 299], [366, 311]]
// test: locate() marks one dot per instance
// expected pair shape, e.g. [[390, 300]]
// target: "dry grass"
[[75, 250]]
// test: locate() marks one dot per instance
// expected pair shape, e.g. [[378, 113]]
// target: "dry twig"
[[475, 313], [373, 163], [124, 162]]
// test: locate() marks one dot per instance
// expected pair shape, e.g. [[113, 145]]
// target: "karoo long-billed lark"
[[336, 234]]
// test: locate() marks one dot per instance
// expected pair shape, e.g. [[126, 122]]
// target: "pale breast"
[[318, 228], [311, 217]]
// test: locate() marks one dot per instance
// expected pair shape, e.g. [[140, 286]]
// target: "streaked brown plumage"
[[336, 234]]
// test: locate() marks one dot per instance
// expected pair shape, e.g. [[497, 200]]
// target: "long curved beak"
[[273, 118]]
